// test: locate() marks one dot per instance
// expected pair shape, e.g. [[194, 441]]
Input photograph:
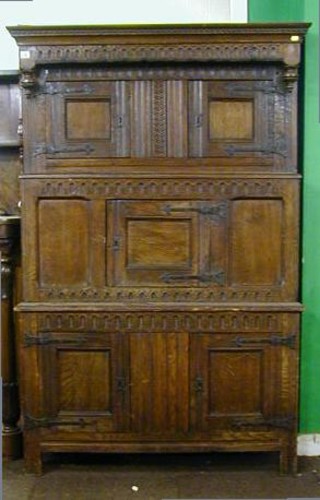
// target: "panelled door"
[[243, 381], [83, 381]]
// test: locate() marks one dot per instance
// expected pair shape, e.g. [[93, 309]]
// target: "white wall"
[[72, 12]]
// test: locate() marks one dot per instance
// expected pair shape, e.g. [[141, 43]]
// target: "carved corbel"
[[291, 59], [290, 77], [29, 82]]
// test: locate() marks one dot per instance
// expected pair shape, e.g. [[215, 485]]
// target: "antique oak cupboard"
[[160, 236]]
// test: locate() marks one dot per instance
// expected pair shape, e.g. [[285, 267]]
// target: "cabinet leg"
[[11, 442], [32, 455], [288, 460]]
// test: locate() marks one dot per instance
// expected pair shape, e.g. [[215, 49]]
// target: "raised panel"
[[159, 243], [146, 244], [88, 119], [159, 382], [240, 377], [235, 382], [231, 119], [84, 380], [235, 119], [63, 239], [256, 242]]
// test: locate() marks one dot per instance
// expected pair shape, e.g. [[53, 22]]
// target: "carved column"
[[11, 433]]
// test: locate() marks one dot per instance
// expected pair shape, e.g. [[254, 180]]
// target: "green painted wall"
[[306, 10], [275, 10]]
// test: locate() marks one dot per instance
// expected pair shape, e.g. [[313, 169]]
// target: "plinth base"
[[12, 445]]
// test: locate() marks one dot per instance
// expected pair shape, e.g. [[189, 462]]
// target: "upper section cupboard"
[[225, 95]]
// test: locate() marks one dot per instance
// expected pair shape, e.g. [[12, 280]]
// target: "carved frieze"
[[141, 295], [266, 75], [159, 188], [169, 52], [159, 322]]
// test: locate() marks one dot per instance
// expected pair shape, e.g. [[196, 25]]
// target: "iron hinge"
[[47, 339], [217, 276], [274, 340], [285, 422], [215, 212], [50, 149], [45, 422]]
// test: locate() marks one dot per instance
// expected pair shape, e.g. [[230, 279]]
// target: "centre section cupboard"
[[160, 236]]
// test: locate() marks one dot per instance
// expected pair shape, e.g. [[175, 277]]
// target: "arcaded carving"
[[175, 52], [193, 322], [163, 294], [264, 75], [160, 188]]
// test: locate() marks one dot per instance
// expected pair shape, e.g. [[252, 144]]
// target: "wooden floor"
[[153, 477]]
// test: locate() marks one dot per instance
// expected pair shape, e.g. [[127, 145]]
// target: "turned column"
[[11, 432]]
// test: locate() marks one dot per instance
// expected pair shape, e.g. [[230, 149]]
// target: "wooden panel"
[[178, 339], [234, 120], [231, 119], [177, 118], [88, 119], [146, 243], [83, 119], [159, 382], [198, 118], [63, 242], [238, 376], [256, 242], [159, 243], [141, 125], [10, 168], [10, 109], [235, 382], [84, 380]]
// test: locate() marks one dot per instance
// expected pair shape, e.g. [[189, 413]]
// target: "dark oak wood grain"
[[161, 200]]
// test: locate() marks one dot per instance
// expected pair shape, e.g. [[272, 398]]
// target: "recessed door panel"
[[83, 380], [149, 245], [240, 380], [89, 119], [235, 382], [231, 119], [237, 120]]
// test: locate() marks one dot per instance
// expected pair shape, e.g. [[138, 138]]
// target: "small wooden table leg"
[[11, 432]]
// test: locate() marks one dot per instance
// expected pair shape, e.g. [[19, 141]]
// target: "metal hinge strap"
[[215, 212], [274, 340], [47, 339], [50, 149], [286, 422], [45, 422], [217, 276]]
